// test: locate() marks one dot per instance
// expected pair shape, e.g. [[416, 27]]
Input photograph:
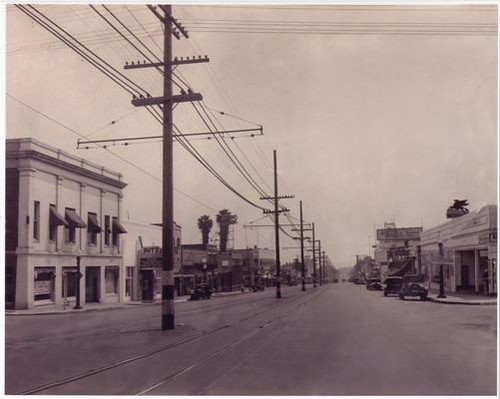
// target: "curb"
[[455, 302], [96, 309]]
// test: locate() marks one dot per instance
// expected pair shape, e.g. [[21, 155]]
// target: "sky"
[[377, 113]]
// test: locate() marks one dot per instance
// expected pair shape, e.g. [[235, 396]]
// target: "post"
[[277, 227], [78, 276], [314, 256], [324, 267], [167, 275], [419, 259], [303, 267], [319, 263], [441, 272]]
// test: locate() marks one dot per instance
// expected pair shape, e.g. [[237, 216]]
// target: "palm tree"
[[205, 225], [225, 219]]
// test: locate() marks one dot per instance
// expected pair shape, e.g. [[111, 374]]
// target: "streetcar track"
[[89, 373]]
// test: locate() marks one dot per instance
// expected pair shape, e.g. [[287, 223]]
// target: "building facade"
[[142, 258], [258, 266], [469, 252], [58, 207]]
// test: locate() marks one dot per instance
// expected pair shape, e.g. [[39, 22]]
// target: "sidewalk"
[[90, 307], [456, 298]]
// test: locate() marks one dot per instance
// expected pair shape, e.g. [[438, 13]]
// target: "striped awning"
[[55, 218], [118, 228], [93, 223], [73, 219]]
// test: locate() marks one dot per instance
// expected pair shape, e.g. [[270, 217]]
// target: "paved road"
[[336, 340]]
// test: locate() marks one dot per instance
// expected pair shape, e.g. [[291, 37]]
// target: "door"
[[148, 285], [465, 276], [92, 277]]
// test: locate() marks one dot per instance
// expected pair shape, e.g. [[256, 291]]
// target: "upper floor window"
[[74, 222], [107, 229], [55, 220], [117, 230], [36, 220], [93, 228]]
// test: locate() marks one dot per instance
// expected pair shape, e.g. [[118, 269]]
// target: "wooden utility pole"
[[276, 212], [303, 266], [167, 101], [314, 256], [320, 263]]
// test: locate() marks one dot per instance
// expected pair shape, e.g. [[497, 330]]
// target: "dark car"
[[413, 289], [373, 284], [393, 285], [200, 292]]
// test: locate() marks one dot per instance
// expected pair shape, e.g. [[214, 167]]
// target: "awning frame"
[[55, 218], [74, 220]]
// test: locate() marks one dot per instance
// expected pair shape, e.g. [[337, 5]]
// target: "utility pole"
[[320, 263], [166, 102], [314, 256], [277, 223], [324, 267], [303, 269]]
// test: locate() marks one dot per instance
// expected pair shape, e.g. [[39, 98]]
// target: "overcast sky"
[[368, 127]]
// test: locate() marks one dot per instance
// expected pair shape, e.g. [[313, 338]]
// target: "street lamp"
[[78, 276]]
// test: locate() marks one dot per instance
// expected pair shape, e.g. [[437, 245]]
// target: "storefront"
[[468, 255]]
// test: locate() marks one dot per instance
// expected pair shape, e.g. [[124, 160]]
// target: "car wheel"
[[385, 293], [402, 297], [423, 298]]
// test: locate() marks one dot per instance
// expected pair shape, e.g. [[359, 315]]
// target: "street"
[[339, 339]]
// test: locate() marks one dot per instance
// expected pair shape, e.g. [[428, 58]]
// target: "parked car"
[[374, 284], [413, 289], [200, 292], [393, 285]]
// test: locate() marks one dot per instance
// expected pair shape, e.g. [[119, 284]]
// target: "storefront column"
[[58, 297], [102, 284], [477, 280]]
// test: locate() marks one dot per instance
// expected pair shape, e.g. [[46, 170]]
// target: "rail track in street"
[[285, 304]]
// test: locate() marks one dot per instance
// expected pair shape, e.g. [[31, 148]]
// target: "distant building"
[[469, 252], [142, 258], [58, 207], [259, 264], [200, 265], [394, 248]]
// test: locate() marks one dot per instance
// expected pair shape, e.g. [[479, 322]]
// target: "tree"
[[225, 219], [205, 225]]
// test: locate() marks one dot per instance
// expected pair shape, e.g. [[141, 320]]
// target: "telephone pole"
[[320, 263], [171, 28], [314, 256], [303, 269], [277, 223]]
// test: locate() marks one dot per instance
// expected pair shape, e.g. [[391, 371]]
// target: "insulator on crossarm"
[[132, 63], [126, 62]]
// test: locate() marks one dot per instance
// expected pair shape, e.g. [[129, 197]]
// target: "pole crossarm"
[[175, 61], [179, 98], [267, 211], [165, 20], [177, 24], [249, 226], [279, 197]]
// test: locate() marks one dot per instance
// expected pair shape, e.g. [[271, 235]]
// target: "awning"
[[55, 219], [118, 228], [93, 223], [73, 219]]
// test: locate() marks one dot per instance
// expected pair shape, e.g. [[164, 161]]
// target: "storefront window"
[[112, 275], [44, 283]]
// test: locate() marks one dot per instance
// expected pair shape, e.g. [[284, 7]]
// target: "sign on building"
[[399, 234]]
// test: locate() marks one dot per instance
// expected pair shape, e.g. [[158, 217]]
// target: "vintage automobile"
[[393, 285], [413, 289], [202, 291], [373, 284]]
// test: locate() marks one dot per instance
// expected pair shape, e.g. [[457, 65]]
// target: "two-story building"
[[58, 207]]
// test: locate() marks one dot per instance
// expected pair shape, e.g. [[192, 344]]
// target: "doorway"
[[92, 284], [148, 285]]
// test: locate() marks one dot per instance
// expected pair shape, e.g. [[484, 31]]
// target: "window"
[[112, 274], [117, 230], [36, 221], [55, 220], [93, 228], [107, 229], [73, 222], [43, 288]]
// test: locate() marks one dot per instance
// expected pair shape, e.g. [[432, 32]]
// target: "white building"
[[469, 252], [58, 207]]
